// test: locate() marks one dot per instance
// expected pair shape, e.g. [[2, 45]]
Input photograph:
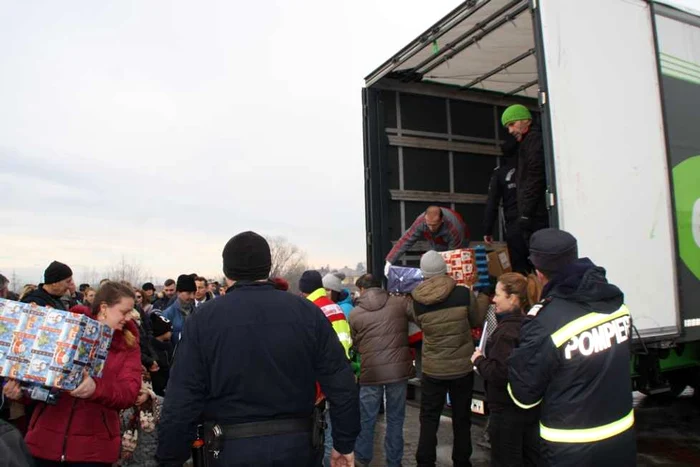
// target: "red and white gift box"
[[461, 265]]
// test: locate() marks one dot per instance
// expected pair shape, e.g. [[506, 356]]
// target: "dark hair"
[[201, 279], [83, 287], [169, 282], [3, 282], [528, 289], [368, 281], [110, 294]]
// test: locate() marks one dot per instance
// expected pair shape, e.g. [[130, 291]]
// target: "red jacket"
[[88, 430]]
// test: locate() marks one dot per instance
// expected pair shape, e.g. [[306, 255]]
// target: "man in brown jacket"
[[446, 313], [379, 327]]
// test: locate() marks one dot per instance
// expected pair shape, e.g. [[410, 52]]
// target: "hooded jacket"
[[574, 361], [42, 298], [88, 430], [446, 313], [379, 326], [493, 367], [345, 302], [531, 179]]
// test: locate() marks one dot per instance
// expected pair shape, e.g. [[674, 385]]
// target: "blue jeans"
[[370, 400], [328, 439]]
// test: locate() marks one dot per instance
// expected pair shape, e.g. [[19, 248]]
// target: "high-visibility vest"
[[336, 316]]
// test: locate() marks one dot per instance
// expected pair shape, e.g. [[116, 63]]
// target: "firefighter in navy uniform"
[[574, 360], [246, 369]]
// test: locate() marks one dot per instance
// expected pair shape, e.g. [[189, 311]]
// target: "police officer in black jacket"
[[248, 362], [503, 187], [574, 360]]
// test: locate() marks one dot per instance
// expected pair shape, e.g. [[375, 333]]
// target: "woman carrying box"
[[83, 428]]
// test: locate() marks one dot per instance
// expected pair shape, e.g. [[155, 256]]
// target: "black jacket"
[[164, 357], [42, 298], [493, 368], [502, 187], [13, 451], [163, 303], [256, 354], [574, 358], [531, 176]]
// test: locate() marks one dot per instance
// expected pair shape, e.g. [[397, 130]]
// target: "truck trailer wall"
[[610, 163], [679, 57]]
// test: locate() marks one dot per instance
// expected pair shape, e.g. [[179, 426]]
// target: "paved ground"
[[668, 434]]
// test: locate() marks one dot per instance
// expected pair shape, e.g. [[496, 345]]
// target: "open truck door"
[[615, 86]]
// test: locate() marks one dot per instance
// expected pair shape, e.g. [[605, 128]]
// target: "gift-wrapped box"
[[49, 347], [461, 265], [403, 280]]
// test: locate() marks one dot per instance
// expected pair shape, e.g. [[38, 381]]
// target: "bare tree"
[[124, 271], [286, 257], [91, 276]]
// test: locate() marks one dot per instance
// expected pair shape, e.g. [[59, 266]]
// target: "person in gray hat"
[[446, 313], [574, 359]]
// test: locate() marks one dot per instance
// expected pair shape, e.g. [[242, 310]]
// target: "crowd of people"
[[245, 367], [246, 373]]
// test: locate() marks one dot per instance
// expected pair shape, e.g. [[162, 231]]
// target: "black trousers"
[[517, 249], [432, 402], [515, 437], [270, 451], [538, 223]]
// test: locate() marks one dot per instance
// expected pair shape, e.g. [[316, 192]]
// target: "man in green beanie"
[[531, 180]]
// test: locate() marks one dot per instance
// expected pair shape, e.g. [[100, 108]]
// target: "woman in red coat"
[[83, 428]]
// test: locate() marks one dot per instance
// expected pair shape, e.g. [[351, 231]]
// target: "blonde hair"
[[29, 288], [527, 289]]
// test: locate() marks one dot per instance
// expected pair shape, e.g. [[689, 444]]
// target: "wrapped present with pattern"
[[50, 348], [461, 265], [403, 280]]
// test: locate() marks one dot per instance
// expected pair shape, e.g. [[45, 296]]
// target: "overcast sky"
[[156, 130]]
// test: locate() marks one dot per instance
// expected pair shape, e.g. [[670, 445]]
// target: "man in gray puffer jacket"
[[379, 327], [446, 313]]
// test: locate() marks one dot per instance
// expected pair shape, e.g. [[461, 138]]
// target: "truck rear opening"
[[620, 146]]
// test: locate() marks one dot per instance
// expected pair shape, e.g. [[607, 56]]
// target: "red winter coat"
[[88, 430]]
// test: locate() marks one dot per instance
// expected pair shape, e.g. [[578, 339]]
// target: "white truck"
[[616, 87]]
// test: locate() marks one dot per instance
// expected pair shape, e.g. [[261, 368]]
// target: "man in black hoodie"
[[530, 172], [574, 359], [58, 279]]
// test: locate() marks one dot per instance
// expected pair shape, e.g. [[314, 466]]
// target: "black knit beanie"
[[310, 282], [185, 283], [247, 257], [57, 272], [160, 324]]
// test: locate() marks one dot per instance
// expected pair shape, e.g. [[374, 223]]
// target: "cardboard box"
[[461, 265], [49, 347], [499, 262]]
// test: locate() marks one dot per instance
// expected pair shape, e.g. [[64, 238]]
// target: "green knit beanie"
[[514, 113]]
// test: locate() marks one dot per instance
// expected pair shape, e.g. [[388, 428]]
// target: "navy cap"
[[552, 249]]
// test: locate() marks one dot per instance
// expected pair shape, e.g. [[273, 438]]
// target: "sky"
[[155, 130]]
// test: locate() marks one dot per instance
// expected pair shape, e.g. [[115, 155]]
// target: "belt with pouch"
[[283, 426]]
